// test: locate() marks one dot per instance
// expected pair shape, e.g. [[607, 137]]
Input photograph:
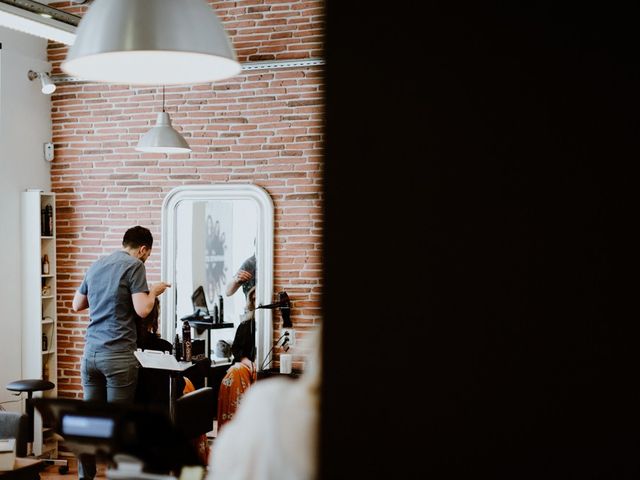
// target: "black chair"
[[15, 425], [199, 372], [194, 413], [29, 386]]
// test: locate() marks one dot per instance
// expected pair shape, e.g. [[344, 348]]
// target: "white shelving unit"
[[39, 312]]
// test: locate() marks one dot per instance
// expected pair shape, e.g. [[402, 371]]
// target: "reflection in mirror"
[[214, 238], [217, 246]]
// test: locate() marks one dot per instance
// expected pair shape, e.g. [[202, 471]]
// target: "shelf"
[[39, 319], [210, 325]]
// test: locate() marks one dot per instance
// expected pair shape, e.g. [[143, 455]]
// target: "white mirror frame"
[[264, 253]]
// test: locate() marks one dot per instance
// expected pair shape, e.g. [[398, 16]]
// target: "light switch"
[[48, 152]]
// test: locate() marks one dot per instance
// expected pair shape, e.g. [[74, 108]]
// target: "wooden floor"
[[51, 473]]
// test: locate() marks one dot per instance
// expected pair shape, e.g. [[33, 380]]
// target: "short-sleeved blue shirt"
[[108, 285]]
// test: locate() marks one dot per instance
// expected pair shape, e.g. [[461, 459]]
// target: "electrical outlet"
[[292, 336]]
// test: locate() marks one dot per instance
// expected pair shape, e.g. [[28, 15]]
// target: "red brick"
[[264, 128]]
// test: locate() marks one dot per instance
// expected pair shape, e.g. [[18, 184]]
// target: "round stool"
[[29, 386]]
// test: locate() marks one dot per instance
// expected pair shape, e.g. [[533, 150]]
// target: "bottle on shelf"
[[221, 309], [186, 341], [45, 342], [46, 268], [177, 348], [46, 221], [43, 222], [49, 210]]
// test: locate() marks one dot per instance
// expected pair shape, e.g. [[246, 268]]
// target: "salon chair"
[[199, 372], [29, 386], [15, 425], [153, 384], [194, 413]]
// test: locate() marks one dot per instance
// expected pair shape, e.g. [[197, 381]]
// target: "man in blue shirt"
[[115, 290]]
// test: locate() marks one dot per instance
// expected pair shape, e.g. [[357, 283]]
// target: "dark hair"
[[148, 327], [244, 342], [137, 237]]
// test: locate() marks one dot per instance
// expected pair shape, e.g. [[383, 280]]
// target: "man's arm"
[[80, 302], [238, 279], [143, 302]]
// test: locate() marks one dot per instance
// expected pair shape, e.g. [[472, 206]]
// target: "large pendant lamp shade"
[[151, 42]]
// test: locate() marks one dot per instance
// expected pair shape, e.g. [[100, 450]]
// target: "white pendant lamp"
[[162, 138], [151, 42]]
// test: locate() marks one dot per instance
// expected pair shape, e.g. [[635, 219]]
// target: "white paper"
[[160, 360]]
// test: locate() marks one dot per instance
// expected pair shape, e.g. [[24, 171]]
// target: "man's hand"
[[238, 279], [158, 289], [243, 276], [143, 302]]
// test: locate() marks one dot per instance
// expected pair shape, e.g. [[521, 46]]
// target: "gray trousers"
[[106, 377]]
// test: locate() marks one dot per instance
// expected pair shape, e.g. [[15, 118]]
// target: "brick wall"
[[263, 128]]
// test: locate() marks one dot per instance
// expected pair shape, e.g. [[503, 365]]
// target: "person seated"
[[274, 433], [151, 381], [250, 307], [240, 375], [152, 384]]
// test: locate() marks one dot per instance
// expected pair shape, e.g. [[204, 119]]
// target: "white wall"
[[25, 124]]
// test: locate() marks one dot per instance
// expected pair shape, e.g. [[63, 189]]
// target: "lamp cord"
[[163, 99], [269, 352]]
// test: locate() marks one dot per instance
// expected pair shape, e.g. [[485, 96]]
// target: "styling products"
[[43, 222], [45, 342], [49, 210], [46, 222], [186, 341], [46, 268], [221, 310], [216, 314], [177, 348]]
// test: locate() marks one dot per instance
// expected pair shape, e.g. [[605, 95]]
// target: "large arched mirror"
[[208, 233]]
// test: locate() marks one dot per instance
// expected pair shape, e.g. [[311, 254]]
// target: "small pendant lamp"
[[151, 42], [162, 138]]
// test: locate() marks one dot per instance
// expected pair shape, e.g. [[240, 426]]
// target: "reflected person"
[[245, 277]]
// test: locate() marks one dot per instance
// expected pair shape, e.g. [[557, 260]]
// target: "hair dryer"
[[284, 305]]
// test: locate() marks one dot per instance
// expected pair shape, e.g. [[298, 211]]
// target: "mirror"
[[208, 232]]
